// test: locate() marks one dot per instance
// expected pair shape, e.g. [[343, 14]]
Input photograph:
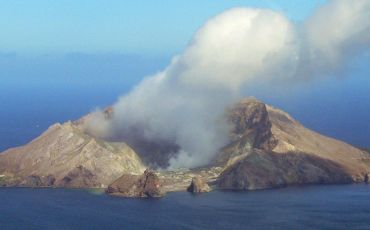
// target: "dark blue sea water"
[[308, 207]]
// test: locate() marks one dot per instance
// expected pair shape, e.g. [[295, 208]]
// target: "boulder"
[[147, 185], [198, 186]]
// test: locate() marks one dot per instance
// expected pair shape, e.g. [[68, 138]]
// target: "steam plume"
[[185, 103]]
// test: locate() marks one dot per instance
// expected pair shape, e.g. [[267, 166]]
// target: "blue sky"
[[96, 26], [60, 59]]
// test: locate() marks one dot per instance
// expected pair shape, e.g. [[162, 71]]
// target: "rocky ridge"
[[198, 186]]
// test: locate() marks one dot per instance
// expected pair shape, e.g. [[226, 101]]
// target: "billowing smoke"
[[185, 103], [335, 32]]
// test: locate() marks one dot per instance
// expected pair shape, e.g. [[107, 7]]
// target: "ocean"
[[306, 207]]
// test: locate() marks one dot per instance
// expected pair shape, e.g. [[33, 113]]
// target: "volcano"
[[267, 149]]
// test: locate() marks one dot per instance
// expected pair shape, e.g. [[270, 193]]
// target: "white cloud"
[[185, 103], [336, 31]]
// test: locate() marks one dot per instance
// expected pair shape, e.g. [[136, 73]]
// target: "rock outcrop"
[[147, 185], [37, 181], [366, 178], [251, 124], [251, 130], [198, 186], [79, 177]]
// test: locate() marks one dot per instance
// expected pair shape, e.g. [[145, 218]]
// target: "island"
[[267, 149]]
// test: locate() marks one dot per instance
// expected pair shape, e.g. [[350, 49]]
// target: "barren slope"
[[293, 136], [73, 158]]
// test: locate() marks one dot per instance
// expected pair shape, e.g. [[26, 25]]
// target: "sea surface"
[[306, 207]]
